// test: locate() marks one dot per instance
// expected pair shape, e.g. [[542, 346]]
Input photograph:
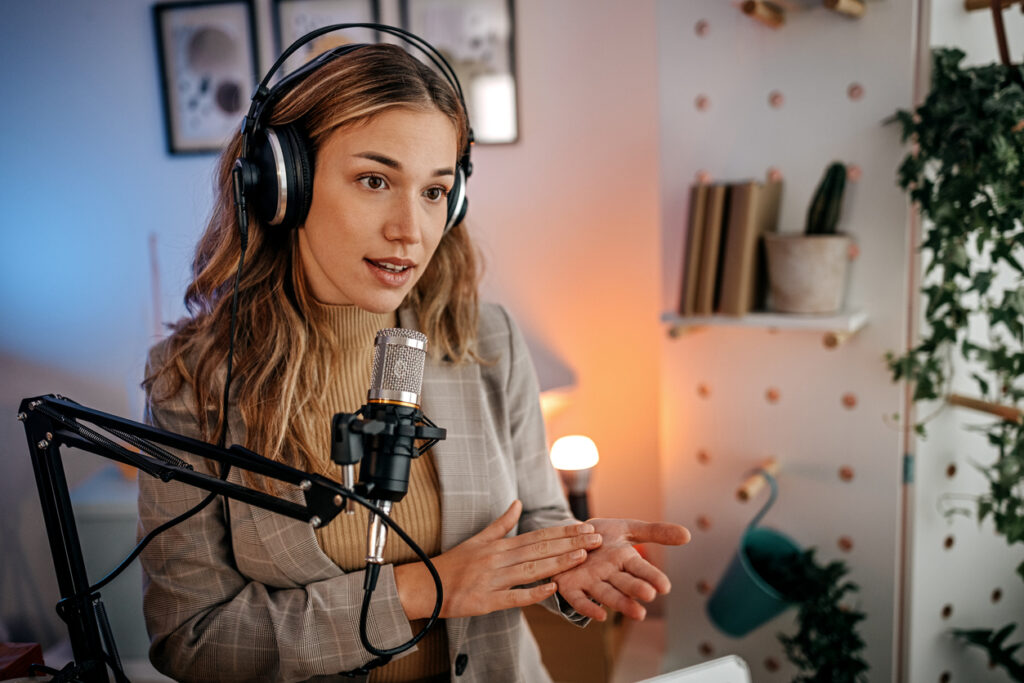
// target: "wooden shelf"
[[836, 327]]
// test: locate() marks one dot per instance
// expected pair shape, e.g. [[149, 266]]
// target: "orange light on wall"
[[575, 457]]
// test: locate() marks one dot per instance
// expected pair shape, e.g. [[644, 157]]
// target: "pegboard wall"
[[742, 100]]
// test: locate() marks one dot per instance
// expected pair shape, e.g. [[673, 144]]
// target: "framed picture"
[[207, 54], [478, 39], [295, 18]]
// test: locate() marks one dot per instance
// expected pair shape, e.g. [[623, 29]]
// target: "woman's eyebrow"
[[395, 164]]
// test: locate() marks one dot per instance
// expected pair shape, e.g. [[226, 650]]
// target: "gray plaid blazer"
[[264, 603]]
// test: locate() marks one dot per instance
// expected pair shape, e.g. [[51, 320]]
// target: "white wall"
[[567, 218]]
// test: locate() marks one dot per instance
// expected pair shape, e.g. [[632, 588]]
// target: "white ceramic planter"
[[807, 273]]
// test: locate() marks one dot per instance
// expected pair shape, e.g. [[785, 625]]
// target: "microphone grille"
[[399, 356]]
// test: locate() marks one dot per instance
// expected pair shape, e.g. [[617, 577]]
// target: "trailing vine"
[[965, 174]]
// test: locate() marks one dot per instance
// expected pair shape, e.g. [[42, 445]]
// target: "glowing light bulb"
[[574, 452]]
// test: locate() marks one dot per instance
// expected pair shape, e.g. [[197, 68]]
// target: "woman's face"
[[379, 207]]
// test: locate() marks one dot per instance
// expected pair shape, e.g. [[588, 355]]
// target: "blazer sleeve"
[[209, 622], [539, 488]]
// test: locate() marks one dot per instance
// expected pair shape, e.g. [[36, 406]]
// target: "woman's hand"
[[480, 574], [615, 574]]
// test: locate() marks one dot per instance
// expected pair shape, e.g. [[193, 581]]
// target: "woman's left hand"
[[615, 574]]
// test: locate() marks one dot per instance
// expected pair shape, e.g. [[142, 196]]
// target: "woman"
[[237, 593]]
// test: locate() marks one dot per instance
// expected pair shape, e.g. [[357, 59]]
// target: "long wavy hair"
[[284, 346]]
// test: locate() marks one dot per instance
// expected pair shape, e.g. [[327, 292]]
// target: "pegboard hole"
[[772, 664], [703, 102], [853, 173], [703, 390], [703, 457], [849, 400], [703, 177], [855, 91], [706, 649], [845, 543], [846, 473], [951, 470], [775, 99], [772, 395], [701, 28], [704, 587], [946, 677], [703, 522], [997, 595], [949, 542], [947, 611]]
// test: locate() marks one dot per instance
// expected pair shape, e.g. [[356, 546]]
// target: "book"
[[692, 249], [707, 274], [753, 210]]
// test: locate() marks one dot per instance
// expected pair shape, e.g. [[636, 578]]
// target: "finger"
[[609, 596], [553, 533], [535, 570], [662, 533], [584, 605], [500, 527], [633, 587], [550, 548], [644, 570], [521, 597]]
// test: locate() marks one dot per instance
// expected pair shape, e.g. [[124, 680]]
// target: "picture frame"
[[208, 70], [478, 40], [295, 18]]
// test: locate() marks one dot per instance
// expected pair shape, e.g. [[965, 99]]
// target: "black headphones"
[[275, 170]]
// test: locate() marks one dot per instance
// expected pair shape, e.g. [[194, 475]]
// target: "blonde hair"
[[284, 347]]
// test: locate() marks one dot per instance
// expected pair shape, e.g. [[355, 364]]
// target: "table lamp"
[[575, 457]]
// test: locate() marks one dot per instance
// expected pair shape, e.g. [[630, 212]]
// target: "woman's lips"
[[391, 272]]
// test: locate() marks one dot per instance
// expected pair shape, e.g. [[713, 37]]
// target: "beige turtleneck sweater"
[[419, 513]]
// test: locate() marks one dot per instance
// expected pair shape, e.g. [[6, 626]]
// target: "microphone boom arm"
[[53, 421]]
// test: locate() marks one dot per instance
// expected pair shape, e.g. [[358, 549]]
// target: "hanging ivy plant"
[[965, 174], [966, 177]]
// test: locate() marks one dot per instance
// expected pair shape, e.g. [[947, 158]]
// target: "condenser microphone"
[[393, 402]]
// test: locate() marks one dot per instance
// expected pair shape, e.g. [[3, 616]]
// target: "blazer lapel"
[[450, 397]]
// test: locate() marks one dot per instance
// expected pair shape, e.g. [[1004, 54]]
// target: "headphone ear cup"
[[457, 202], [284, 190]]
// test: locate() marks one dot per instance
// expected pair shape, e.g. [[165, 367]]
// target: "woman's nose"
[[403, 221]]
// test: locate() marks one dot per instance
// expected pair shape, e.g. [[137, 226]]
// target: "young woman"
[[238, 593]]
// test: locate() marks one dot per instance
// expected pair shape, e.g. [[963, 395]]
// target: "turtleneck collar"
[[355, 327]]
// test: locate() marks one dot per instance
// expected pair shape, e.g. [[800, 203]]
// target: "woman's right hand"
[[481, 574]]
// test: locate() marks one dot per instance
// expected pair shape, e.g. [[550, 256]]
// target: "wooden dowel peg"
[[835, 338], [851, 8], [766, 12], [677, 331], [756, 481], [1008, 413], [975, 5]]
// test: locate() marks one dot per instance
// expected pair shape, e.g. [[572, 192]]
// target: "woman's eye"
[[436, 194], [373, 182]]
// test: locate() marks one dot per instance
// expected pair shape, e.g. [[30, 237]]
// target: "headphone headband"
[[263, 97], [274, 171]]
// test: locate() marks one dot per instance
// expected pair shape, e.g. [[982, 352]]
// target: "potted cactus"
[[807, 272]]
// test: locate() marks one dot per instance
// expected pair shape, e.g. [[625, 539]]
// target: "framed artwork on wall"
[[295, 18], [207, 61], [478, 40]]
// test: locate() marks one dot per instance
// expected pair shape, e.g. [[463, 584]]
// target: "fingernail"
[[585, 529], [592, 538], [578, 554]]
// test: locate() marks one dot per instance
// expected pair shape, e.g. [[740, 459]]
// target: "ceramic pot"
[[807, 273]]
